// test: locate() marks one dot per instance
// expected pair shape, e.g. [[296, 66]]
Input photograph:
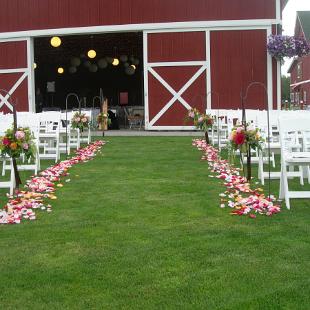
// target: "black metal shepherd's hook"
[[212, 92], [79, 101], [243, 102], [13, 109]]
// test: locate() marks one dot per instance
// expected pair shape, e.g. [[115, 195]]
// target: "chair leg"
[[3, 167], [261, 169], [301, 175]]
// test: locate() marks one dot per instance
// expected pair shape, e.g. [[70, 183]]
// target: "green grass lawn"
[[140, 227]]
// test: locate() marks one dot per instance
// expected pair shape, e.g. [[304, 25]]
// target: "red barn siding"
[[17, 15], [177, 46], [20, 95], [237, 59], [12, 55]]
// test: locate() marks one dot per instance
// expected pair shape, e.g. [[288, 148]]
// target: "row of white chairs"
[[289, 136], [53, 135]]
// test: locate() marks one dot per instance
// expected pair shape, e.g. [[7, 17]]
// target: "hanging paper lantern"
[[102, 63], [91, 53], [75, 61], [55, 41], [115, 62], [60, 70], [87, 64], [93, 68], [72, 69], [136, 61], [109, 59], [129, 70], [123, 58]]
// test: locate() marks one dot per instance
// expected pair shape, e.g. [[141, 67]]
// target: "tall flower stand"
[[207, 137]]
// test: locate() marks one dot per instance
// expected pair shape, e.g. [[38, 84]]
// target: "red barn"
[[182, 54], [300, 67]]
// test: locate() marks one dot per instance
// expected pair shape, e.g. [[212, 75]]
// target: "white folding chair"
[[290, 155], [48, 135]]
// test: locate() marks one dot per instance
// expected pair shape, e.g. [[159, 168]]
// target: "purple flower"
[[285, 46], [25, 146]]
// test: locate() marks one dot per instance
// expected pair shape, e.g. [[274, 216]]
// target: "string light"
[[60, 70]]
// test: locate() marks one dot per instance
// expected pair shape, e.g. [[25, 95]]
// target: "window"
[[305, 96], [296, 97], [292, 97], [299, 70]]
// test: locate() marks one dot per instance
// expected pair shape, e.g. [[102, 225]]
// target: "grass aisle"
[[140, 227]]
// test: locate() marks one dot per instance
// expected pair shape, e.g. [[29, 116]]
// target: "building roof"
[[304, 20], [284, 3]]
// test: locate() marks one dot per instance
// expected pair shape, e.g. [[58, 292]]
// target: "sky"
[[289, 18]]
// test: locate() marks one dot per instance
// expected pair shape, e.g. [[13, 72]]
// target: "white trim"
[[9, 39], [269, 75], [300, 83], [3, 71], [278, 9], [176, 63], [176, 95], [208, 73], [31, 83], [146, 82], [279, 89], [173, 128], [4, 99], [142, 27]]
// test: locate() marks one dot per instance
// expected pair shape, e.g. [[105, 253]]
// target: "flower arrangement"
[[15, 144], [245, 138], [280, 46], [80, 121], [302, 47], [201, 121], [103, 117]]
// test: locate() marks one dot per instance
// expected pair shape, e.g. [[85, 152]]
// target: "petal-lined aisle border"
[[238, 195], [41, 187]]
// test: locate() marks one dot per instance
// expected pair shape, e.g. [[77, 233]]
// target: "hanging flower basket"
[[280, 46], [80, 121], [201, 121], [245, 138], [19, 143]]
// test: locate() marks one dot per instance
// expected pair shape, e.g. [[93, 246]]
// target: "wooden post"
[[104, 108]]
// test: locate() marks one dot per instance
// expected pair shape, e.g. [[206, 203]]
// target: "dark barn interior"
[[86, 76]]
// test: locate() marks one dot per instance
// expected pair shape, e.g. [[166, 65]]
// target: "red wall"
[[175, 47], [14, 55], [16, 15], [237, 59]]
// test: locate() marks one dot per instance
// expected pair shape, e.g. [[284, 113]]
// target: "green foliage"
[[286, 81], [140, 227]]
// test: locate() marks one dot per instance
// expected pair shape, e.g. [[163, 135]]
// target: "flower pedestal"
[[207, 137]]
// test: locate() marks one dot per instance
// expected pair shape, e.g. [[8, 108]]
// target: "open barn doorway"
[[114, 70]]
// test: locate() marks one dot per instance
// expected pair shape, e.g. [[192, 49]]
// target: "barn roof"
[[304, 20]]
